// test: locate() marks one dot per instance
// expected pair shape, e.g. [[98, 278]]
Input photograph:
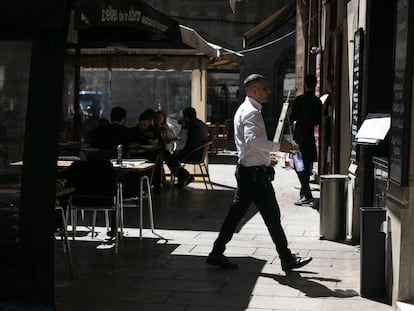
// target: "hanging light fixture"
[[157, 60], [233, 5]]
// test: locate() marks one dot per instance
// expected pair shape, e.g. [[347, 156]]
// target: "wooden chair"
[[219, 135], [198, 156]]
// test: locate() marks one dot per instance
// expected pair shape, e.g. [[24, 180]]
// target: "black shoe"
[[299, 202], [111, 235], [182, 183], [178, 184], [188, 180], [221, 261], [304, 201], [295, 262]]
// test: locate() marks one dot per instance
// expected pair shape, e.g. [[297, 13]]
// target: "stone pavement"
[[171, 274]]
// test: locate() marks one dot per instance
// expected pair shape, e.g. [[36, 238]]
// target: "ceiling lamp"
[[157, 60], [233, 5]]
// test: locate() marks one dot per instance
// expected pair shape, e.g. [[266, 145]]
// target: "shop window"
[[222, 96], [101, 90]]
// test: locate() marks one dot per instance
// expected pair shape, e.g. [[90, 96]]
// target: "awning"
[[129, 46], [102, 23], [270, 24], [192, 39], [218, 54]]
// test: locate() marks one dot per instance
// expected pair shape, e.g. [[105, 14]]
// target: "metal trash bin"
[[332, 206], [372, 252]]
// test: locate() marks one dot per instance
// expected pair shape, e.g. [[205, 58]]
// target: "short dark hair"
[[310, 81], [190, 113], [147, 115], [255, 77], [117, 114]]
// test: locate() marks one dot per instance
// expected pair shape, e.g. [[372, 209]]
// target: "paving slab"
[[170, 273]]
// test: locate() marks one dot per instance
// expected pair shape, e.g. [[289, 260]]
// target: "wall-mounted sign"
[[356, 91], [374, 129], [401, 105]]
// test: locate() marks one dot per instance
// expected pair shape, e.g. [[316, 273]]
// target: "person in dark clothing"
[[145, 133], [197, 131], [306, 114], [254, 173], [197, 135], [108, 137]]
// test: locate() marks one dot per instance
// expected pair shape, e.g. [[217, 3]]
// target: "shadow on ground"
[[147, 275], [187, 209], [310, 286]]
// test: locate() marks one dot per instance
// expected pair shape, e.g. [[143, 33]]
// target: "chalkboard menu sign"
[[401, 105], [356, 91]]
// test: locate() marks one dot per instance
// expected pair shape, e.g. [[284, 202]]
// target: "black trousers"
[[304, 176], [254, 185], [173, 163]]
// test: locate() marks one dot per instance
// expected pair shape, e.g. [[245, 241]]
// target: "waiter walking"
[[254, 174]]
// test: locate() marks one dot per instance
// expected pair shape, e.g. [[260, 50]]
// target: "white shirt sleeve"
[[255, 133]]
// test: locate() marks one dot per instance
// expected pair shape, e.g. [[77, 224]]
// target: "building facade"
[[363, 58]]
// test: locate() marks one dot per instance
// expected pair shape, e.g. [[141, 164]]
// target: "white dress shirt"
[[250, 135]]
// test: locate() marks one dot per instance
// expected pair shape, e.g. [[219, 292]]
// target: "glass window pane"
[[101, 90], [14, 85]]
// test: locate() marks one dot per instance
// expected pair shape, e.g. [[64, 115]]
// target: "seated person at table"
[[108, 137], [145, 133], [197, 135], [166, 132], [102, 122]]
